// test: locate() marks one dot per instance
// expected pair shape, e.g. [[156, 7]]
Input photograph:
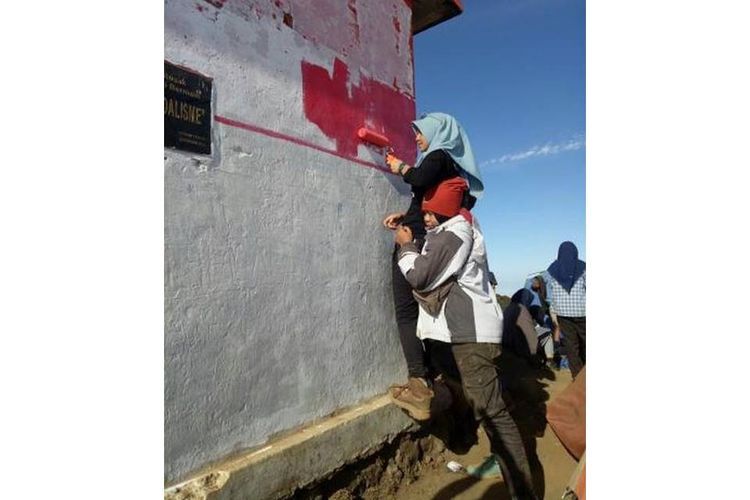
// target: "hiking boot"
[[415, 397]]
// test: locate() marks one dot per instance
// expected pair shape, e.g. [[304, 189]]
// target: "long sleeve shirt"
[[563, 303], [435, 168], [454, 250]]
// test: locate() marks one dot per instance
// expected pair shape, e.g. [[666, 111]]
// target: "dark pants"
[[407, 312], [574, 330], [477, 367]]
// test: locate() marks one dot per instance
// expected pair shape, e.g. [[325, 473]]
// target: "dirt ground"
[[413, 467], [552, 465]]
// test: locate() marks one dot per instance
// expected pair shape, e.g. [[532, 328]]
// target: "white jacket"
[[470, 313]]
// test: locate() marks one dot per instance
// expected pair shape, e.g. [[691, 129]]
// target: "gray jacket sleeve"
[[444, 257]]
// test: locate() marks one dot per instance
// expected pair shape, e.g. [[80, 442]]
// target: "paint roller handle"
[[389, 158], [396, 165]]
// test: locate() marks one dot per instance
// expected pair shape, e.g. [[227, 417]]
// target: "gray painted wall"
[[278, 307]]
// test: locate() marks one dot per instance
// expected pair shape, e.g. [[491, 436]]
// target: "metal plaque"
[[187, 110]]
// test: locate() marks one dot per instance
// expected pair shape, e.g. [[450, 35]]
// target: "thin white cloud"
[[548, 149]]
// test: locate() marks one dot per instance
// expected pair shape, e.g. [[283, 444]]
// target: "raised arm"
[[445, 256], [433, 169]]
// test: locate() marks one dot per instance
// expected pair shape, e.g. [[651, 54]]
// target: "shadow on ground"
[[524, 393], [497, 491], [413, 466]]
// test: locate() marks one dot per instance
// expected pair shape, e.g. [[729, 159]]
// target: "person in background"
[[548, 331], [525, 330], [445, 153], [519, 332], [566, 286], [459, 315], [540, 290]]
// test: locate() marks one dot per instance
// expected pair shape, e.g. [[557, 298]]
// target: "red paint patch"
[[372, 104], [396, 24]]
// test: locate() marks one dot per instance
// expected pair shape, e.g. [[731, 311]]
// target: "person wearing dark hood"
[[519, 332], [566, 288]]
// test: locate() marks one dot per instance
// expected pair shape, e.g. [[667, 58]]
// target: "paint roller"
[[374, 138]]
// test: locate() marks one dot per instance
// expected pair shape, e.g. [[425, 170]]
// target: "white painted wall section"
[[278, 307]]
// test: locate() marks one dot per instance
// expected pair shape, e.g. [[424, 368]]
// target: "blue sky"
[[513, 73]]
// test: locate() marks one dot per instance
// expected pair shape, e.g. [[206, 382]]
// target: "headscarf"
[[542, 293], [530, 300], [567, 268], [524, 296], [442, 131], [445, 198]]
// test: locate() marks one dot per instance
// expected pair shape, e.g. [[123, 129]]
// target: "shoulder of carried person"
[[457, 224]]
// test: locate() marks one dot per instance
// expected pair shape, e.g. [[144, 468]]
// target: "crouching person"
[[459, 314], [523, 330]]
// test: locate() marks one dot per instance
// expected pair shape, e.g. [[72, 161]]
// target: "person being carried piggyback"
[[459, 317]]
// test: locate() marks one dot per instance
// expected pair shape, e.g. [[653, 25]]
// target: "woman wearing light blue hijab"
[[443, 132], [445, 154]]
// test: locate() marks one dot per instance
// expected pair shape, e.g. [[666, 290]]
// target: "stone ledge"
[[310, 454]]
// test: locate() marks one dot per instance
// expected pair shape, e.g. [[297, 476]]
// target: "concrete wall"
[[278, 307]]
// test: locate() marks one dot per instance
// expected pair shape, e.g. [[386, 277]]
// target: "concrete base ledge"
[[307, 455]]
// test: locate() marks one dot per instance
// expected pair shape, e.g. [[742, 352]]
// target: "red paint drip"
[[396, 24], [372, 104]]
